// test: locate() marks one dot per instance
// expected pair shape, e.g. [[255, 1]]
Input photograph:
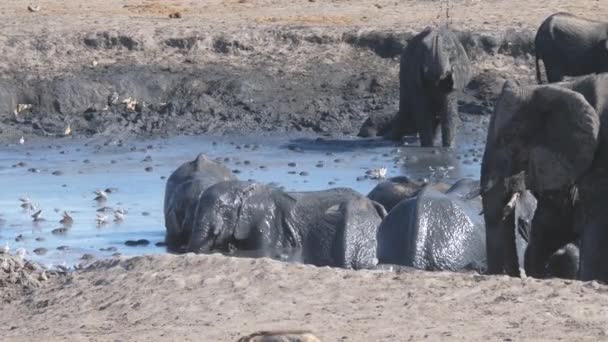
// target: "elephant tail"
[[538, 75]]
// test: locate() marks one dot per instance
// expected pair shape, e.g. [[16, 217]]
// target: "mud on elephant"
[[335, 227], [542, 175], [434, 69]]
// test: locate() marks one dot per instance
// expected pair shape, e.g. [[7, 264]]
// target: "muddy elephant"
[[434, 69], [393, 190], [436, 231], [543, 175], [335, 227], [571, 46], [182, 191]]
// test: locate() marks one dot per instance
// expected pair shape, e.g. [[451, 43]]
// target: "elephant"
[[543, 174], [441, 229], [182, 191], [434, 68], [435, 230], [571, 46], [335, 227], [392, 191]]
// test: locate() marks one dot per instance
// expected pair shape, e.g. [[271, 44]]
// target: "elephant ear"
[[549, 132], [568, 137]]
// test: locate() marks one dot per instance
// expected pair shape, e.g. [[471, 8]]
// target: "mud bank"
[[325, 82]]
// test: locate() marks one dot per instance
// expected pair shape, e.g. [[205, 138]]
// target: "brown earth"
[[217, 298]]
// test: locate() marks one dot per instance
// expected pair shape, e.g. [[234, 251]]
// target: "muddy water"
[[62, 174]]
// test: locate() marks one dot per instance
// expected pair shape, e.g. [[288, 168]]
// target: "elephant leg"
[[551, 230], [398, 127], [593, 252], [424, 125], [448, 114]]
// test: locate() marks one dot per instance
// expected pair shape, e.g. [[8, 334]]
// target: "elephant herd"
[[538, 207]]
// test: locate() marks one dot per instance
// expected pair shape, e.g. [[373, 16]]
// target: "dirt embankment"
[[235, 66], [217, 298]]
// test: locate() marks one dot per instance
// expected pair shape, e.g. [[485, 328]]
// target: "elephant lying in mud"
[[182, 191], [544, 174], [571, 46], [335, 227], [434, 68]]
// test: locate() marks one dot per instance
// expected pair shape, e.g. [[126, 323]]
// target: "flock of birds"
[[66, 219]]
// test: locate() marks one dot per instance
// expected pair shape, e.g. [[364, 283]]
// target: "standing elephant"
[[435, 230], [571, 46], [182, 191], [335, 227], [542, 143], [434, 68]]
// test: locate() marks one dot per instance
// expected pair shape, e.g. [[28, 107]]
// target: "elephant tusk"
[[510, 205]]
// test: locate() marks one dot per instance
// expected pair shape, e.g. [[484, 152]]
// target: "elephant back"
[[433, 232]]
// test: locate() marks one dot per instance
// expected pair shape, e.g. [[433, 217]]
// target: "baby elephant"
[[434, 68], [571, 46]]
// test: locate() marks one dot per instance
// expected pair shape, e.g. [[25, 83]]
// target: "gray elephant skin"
[[571, 46], [544, 173], [435, 230], [434, 69], [182, 191], [335, 227]]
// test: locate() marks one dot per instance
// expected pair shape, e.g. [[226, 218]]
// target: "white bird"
[[5, 249], [378, 173], [20, 252], [119, 215], [37, 216], [22, 141], [101, 219], [101, 195]]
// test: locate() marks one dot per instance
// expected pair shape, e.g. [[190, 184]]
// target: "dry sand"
[[214, 298], [217, 298]]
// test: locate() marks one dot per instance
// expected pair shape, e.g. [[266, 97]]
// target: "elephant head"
[[541, 139], [183, 188], [242, 215], [445, 63]]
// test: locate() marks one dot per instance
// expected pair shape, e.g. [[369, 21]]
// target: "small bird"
[[101, 219], [5, 249], [119, 215], [22, 141], [101, 195], [37, 216], [378, 173], [26, 203], [113, 99], [20, 252], [68, 130], [66, 218]]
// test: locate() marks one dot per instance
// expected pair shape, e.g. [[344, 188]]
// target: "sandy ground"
[[212, 298], [216, 298]]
